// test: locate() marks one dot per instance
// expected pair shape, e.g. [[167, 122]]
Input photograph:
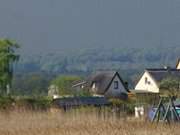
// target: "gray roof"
[[103, 79], [160, 74]]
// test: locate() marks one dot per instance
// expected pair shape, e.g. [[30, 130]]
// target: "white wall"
[[114, 92], [152, 86], [94, 88], [178, 66]]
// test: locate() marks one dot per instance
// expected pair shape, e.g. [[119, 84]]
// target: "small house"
[[108, 84], [151, 78]]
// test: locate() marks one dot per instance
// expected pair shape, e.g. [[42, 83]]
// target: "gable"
[[147, 83], [103, 84], [116, 86]]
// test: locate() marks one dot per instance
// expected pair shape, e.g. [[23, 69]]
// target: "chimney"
[[167, 67], [126, 85]]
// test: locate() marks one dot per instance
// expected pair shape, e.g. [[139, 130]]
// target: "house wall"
[[94, 88], [112, 92], [178, 66], [148, 85]]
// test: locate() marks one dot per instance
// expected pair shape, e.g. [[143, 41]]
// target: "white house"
[[178, 64], [108, 84], [152, 77], [147, 83]]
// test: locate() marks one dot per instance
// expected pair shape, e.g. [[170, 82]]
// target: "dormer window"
[[116, 85]]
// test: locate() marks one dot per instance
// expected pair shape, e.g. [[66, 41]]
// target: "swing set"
[[166, 111]]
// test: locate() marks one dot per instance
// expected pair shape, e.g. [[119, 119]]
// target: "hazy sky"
[[48, 25]]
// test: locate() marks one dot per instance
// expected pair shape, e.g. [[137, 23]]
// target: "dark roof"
[[103, 80], [81, 101], [160, 74]]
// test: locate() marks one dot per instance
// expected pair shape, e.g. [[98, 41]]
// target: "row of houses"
[[111, 84]]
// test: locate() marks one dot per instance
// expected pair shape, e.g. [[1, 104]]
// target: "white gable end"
[[146, 83], [116, 87], [178, 65]]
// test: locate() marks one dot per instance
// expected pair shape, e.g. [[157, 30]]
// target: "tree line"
[[34, 74], [129, 62]]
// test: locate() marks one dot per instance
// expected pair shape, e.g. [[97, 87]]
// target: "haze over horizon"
[[62, 25]]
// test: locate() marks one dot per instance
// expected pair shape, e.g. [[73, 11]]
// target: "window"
[[116, 85], [146, 80]]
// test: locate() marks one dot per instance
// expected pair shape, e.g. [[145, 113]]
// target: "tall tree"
[[64, 84], [7, 58]]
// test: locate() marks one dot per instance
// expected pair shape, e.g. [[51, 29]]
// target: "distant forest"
[[88, 60], [130, 62]]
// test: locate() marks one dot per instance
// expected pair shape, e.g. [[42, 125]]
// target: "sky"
[[43, 26]]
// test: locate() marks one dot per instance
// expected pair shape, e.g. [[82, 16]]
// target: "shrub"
[[6, 102], [34, 103]]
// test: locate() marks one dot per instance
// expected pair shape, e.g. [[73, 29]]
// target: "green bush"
[[126, 105], [34, 103], [64, 84], [6, 102]]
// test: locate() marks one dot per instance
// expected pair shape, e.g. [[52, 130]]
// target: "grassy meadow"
[[55, 122]]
